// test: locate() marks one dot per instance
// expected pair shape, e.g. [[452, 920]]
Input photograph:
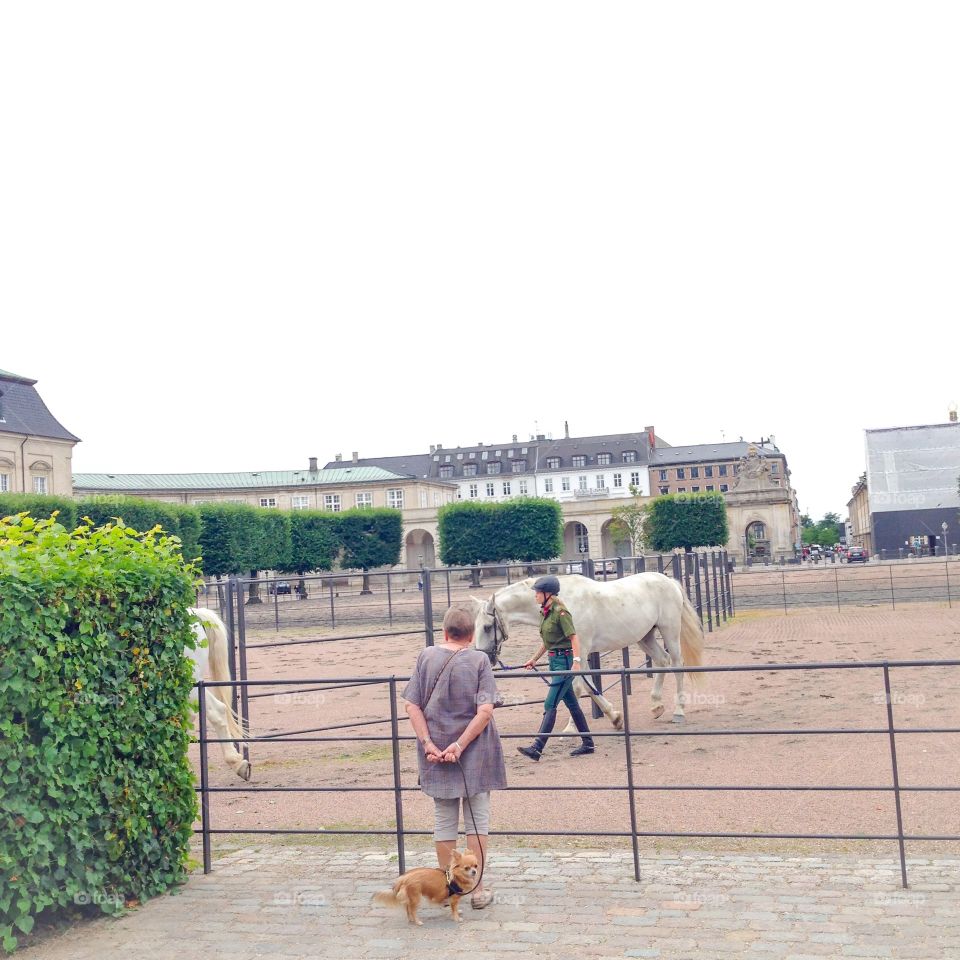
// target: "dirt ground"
[[786, 701]]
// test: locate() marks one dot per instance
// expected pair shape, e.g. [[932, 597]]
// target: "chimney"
[[651, 438], [952, 412], [356, 456], [540, 436], [514, 438], [433, 449], [773, 440], [566, 430], [339, 458], [313, 464]]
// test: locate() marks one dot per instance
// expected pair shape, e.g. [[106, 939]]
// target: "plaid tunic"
[[467, 683]]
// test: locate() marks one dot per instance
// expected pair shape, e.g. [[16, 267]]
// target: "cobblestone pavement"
[[284, 903]]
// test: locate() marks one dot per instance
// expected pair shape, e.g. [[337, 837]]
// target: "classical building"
[[912, 478], [36, 450], [707, 467], [859, 530]]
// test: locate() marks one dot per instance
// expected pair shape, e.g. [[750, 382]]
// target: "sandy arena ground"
[[759, 698]]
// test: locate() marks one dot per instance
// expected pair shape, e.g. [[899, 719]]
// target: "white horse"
[[608, 616], [211, 661]]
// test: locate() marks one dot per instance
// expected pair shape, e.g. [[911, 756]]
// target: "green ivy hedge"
[[97, 796]]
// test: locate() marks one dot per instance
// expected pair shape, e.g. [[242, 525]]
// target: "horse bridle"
[[499, 628]]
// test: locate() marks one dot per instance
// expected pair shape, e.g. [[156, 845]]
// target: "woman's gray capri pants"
[[448, 816]]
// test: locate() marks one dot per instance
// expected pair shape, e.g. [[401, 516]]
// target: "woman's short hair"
[[458, 622]]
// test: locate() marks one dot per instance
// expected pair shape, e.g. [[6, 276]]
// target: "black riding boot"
[[580, 721], [546, 726]]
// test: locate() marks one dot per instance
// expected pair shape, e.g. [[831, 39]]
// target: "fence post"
[[242, 658], [428, 605], [449, 601], [659, 563], [624, 679], [946, 564], [232, 641], [587, 568], [640, 565], [705, 567], [596, 680], [397, 785], [204, 779], [333, 611], [695, 563], [726, 573], [893, 598], [687, 564], [716, 589], [619, 564], [836, 583], [628, 689], [389, 600], [276, 606], [896, 776]]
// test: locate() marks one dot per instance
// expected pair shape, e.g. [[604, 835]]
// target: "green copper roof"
[[229, 481]]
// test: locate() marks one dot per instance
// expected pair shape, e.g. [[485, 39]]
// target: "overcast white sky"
[[235, 235]]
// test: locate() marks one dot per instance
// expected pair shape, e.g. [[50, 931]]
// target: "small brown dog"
[[434, 884]]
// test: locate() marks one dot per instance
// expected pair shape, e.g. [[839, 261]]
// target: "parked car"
[[280, 587], [608, 567], [857, 555], [816, 553]]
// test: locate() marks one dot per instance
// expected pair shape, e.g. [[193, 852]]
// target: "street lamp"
[[946, 549]]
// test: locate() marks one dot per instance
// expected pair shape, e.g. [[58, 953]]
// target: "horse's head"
[[489, 630]]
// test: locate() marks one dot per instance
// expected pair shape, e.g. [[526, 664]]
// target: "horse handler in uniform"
[[561, 642]]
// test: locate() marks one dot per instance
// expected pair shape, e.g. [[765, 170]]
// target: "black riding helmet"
[[547, 585]]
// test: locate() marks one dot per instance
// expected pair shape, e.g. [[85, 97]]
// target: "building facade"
[[36, 450], [912, 478], [859, 530]]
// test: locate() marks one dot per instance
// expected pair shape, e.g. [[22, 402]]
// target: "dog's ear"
[[455, 856]]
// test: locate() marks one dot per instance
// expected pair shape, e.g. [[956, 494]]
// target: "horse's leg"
[[609, 710], [671, 641], [217, 714], [659, 658]]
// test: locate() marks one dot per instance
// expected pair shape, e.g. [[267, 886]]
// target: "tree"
[[629, 522], [228, 536], [687, 520], [526, 529], [314, 543], [271, 547], [40, 506], [370, 538], [142, 515]]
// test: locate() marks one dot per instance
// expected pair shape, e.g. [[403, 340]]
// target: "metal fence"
[[846, 585], [629, 787]]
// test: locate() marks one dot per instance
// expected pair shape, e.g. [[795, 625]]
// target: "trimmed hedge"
[[687, 520], [179, 519], [525, 529], [370, 538], [314, 541], [41, 506], [97, 797]]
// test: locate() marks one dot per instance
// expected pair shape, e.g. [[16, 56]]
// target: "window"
[[681, 489], [581, 482], [331, 501], [4, 482], [497, 453], [446, 473], [635, 479], [299, 503], [40, 486], [395, 498], [473, 491], [489, 489], [663, 475], [774, 466], [664, 491], [709, 488], [579, 460], [436, 498], [617, 480], [523, 450], [680, 474], [553, 463], [517, 466], [708, 471], [694, 473], [364, 501], [548, 485], [723, 469], [510, 453], [446, 458], [264, 501], [493, 466], [601, 481], [483, 456], [523, 487], [723, 488], [469, 469], [423, 498], [459, 456], [604, 459], [436, 458], [694, 489], [564, 483], [629, 456], [506, 488]]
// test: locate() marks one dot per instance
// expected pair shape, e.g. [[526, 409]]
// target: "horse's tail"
[[219, 660], [691, 638]]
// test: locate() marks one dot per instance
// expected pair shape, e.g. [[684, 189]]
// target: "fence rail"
[[396, 739]]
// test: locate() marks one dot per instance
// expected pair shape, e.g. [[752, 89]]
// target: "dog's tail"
[[389, 898]]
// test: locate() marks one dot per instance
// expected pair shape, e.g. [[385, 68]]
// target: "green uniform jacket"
[[556, 628]]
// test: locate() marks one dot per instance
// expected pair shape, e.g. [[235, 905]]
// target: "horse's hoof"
[[245, 770], [678, 718], [617, 721], [657, 711]]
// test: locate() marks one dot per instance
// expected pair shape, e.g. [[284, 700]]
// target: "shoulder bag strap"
[[437, 680]]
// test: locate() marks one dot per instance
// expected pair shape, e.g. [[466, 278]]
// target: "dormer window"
[[469, 469], [483, 456], [629, 456], [580, 461], [604, 459], [553, 463], [493, 466]]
